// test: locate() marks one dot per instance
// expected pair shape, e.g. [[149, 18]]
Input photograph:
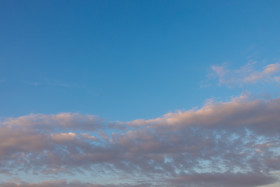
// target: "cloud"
[[69, 121], [63, 183], [53, 84], [61, 137], [277, 79], [220, 142], [240, 112], [267, 73], [223, 179], [246, 74], [56, 184]]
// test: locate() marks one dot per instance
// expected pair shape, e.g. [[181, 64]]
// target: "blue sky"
[[126, 59], [63, 61]]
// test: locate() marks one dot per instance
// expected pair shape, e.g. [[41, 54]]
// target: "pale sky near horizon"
[[123, 93]]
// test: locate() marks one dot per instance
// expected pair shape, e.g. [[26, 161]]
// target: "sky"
[[100, 93]]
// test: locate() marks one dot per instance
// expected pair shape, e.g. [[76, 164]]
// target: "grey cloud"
[[71, 184], [224, 179]]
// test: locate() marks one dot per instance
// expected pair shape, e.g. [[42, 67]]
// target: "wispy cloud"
[[219, 142], [246, 74], [54, 84], [268, 73]]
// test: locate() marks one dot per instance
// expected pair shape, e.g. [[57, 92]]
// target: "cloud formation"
[[64, 183], [246, 74], [223, 179], [41, 122], [219, 142]]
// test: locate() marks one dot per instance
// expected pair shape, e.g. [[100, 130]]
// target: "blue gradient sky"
[[126, 59], [80, 74]]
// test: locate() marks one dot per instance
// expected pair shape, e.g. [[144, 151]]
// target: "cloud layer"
[[234, 143]]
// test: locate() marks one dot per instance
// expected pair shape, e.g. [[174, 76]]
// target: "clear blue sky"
[[123, 60], [139, 92]]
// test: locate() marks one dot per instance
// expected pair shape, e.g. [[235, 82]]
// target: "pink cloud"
[[246, 74], [235, 138]]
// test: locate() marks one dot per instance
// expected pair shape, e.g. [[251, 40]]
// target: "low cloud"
[[69, 184], [223, 179], [69, 121], [53, 184], [217, 144]]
